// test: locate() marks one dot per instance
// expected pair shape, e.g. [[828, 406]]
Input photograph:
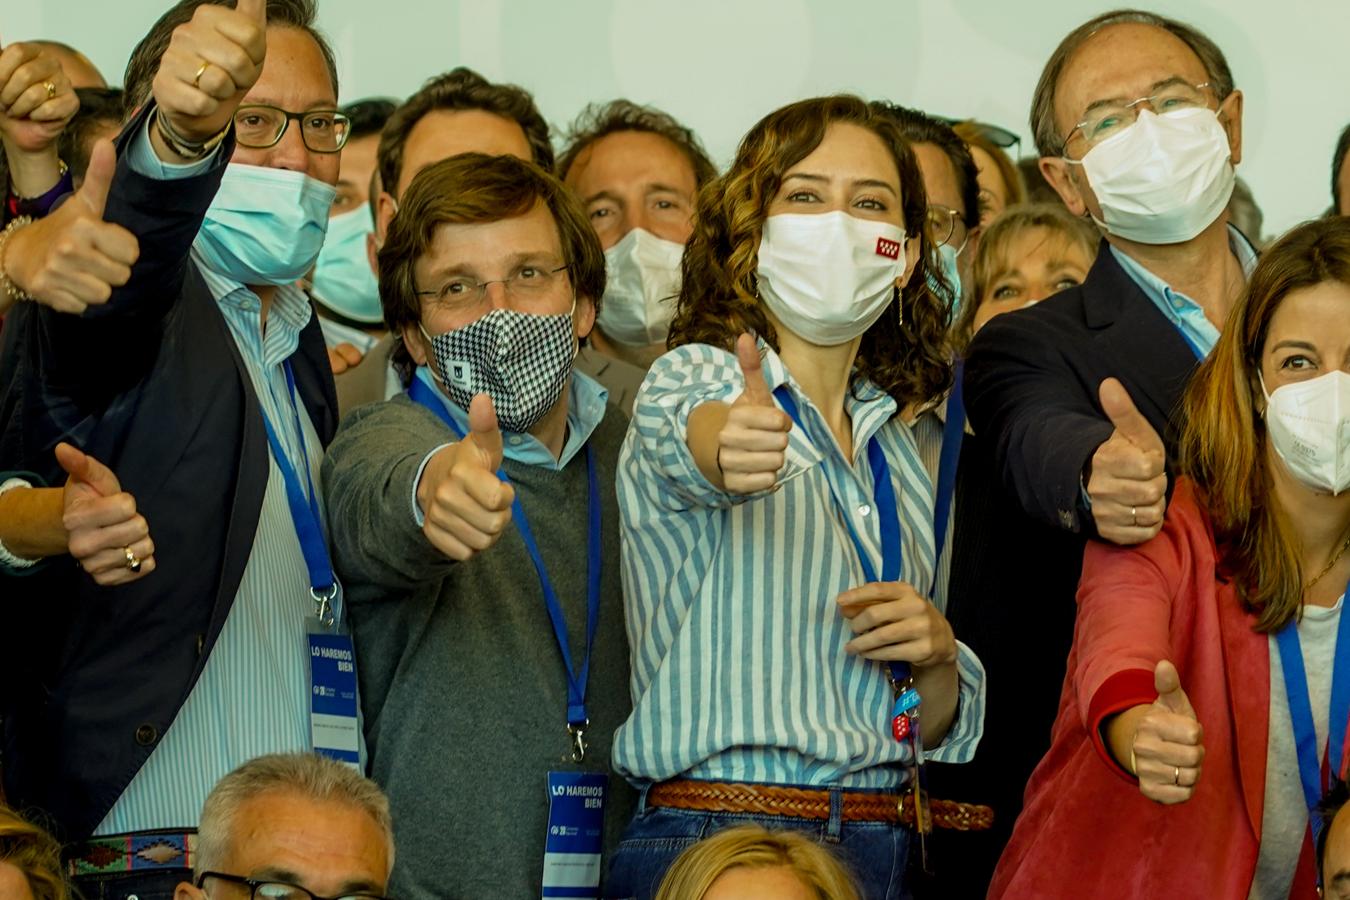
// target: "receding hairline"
[[1087, 43]]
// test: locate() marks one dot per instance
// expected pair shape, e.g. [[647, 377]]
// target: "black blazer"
[[1032, 379], [153, 385]]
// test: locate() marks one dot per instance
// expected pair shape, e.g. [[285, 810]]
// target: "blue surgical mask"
[[265, 226], [951, 271], [343, 281]]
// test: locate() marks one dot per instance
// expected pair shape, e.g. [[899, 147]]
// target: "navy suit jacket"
[[1032, 381], [152, 384]]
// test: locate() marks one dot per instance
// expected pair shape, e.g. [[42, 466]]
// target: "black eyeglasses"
[[279, 890], [259, 126]]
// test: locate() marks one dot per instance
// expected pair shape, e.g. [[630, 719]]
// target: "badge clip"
[[578, 732]]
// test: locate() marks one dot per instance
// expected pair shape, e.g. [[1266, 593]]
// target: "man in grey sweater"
[[475, 529]]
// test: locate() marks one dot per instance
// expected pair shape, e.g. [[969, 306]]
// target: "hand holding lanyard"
[[466, 506], [904, 726]]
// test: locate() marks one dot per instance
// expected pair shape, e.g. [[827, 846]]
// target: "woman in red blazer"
[[1173, 770]]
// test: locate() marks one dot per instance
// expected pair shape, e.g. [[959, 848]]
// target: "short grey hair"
[[1049, 142], [310, 775]]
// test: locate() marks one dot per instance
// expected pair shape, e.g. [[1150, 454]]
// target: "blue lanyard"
[[953, 433], [1300, 711], [577, 717], [883, 503], [305, 512]]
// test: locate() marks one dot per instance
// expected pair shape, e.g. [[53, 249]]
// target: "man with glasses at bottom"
[[205, 384], [292, 826]]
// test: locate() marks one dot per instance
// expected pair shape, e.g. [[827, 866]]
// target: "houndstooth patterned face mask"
[[521, 361]]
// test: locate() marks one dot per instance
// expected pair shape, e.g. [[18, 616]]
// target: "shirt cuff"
[[146, 162], [418, 516], [968, 727]]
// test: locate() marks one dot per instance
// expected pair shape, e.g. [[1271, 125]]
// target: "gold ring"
[[51, 89], [133, 564], [1134, 516], [201, 70], [1176, 775]]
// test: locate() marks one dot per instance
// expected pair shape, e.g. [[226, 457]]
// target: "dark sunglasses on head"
[[994, 134]]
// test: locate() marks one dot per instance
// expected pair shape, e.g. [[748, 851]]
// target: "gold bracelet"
[[12, 290]]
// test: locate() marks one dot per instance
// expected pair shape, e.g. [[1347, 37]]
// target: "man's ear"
[[413, 341], [1064, 178], [583, 319], [1230, 117], [185, 891]]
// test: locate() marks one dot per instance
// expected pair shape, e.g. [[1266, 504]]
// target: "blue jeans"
[[875, 852], [156, 884]]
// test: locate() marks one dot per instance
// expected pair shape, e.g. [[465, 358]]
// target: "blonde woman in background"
[[30, 861], [750, 862]]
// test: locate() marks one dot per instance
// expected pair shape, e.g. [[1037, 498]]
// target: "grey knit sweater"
[[463, 688]]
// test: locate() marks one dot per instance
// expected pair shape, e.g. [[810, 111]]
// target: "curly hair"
[[907, 353]]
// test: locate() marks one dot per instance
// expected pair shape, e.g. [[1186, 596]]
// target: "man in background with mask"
[[342, 284], [455, 112], [1139, 126], [205, 384], [637, 172], [951, 181], [477, 533]]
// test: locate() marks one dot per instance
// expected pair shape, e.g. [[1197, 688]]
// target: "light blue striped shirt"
[[1183, 312], [739, 668], [253, 694]]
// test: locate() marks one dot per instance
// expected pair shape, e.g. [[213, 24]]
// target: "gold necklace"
[[1335, 559]]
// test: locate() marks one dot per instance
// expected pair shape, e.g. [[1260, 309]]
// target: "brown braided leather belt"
[[859, 806]]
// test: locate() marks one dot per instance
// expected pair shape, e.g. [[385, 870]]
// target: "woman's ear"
[[913, 247]]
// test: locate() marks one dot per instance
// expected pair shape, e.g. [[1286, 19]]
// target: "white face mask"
[[1164, 179], [1309, 426], [828, 277], [642, 283]]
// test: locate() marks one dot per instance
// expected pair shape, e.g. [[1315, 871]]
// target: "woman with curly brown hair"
[[778, 534]]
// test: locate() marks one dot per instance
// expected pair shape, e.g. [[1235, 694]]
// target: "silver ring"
[[1176, 775], [133, 563]]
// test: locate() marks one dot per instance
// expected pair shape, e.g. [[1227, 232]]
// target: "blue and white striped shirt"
[[253, 694], [739, 668]]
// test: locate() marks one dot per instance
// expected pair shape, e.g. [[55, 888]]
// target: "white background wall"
[[721, 64]]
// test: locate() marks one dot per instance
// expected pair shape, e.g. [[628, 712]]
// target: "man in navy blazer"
[[123, 706], [1139, 126]]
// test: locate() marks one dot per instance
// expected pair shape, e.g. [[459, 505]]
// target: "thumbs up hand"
[[36, 99], [466, 506], [210, 64], [1163, 741], [1127, 482], [752, 445], [73, 259], [101, 521]]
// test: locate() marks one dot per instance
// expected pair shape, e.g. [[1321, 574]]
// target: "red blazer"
[[1085, 830]]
